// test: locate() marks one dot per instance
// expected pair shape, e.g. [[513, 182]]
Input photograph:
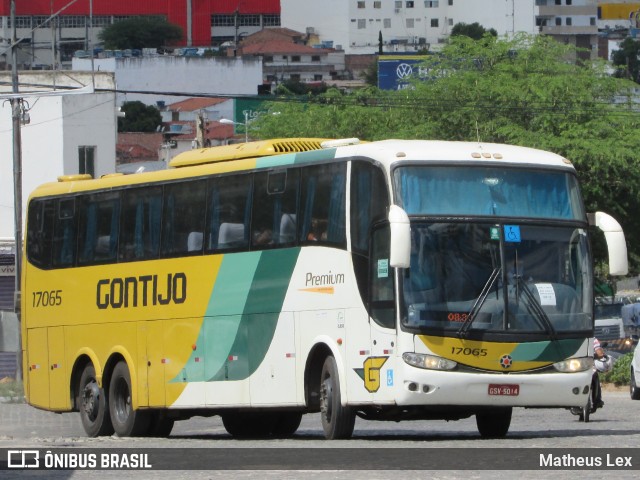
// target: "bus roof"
[[283, 152]]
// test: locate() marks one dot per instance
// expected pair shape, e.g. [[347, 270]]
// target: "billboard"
[[394, 71]]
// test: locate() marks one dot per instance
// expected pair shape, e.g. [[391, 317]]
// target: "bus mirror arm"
[[400, 244], [616, 245]]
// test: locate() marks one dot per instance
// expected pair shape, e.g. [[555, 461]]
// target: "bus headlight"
[[574, 365], [430, 362]]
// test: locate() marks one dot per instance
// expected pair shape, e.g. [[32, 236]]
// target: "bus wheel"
[[494, 423], [93, 405], [127, 422], [337, 421], [248, 425], [159, 425], [286, 424]]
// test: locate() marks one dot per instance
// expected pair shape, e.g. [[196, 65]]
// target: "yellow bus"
[[387, 280]]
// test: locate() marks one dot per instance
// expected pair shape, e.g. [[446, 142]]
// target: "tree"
[[627, 58], [139, 118], [473, 30], [140, 32], [520, 91]]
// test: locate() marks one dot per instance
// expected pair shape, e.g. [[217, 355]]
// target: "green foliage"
[[526, 91], [139, 118], [620, 373], [12, 391], [140, 32], [627, 58], [472, 30]]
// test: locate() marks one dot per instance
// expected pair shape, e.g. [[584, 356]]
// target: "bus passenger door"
[[379, 373]]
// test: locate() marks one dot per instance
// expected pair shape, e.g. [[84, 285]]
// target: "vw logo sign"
[[606, 331], [404, 70]]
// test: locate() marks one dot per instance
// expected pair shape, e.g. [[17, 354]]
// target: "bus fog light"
[[430, 362], [412, 387], [574, 365]]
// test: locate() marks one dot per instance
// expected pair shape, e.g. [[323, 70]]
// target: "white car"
[[634, 379]]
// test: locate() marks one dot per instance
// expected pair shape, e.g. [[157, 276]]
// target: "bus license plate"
[[509, 390]]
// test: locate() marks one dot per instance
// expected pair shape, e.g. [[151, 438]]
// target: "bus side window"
[[274, 208], [369, 202], [99, 222], [40, 232], [183, 217], [228, 213], [140, 230], [323, 204], [64, 236]]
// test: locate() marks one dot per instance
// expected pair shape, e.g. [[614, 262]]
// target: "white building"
[[410, 25], [189, 76]]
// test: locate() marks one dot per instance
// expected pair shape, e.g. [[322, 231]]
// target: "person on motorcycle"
[[602, 363]]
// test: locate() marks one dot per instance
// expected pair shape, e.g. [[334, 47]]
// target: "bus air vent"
[[75, 178]]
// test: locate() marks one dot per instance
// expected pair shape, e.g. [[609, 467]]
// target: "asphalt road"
[[616, 427]]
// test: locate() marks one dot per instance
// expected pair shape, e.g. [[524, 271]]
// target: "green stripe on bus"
[[242, 315], [547, 351]]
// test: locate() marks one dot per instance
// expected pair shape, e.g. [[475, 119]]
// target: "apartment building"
[[412, 25]]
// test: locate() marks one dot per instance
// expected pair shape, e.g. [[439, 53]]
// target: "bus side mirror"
[[616, 245], [400, 245]]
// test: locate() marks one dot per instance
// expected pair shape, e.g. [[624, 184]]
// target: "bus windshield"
[[497, 277], [488, 191]]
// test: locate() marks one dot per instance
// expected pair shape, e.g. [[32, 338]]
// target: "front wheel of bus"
[[337, 421], [494, 423], [92, 404], [127, 422]]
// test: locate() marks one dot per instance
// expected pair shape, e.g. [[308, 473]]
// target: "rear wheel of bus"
[[126, 421], [93, 405], [337, 421], [494, 423]]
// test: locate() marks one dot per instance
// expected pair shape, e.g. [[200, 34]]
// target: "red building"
[[204, 22]]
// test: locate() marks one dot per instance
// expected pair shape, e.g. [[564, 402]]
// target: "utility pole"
[[16, 113]]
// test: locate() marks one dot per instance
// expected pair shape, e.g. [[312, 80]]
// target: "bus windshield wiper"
[[479, 302], [534, 307]]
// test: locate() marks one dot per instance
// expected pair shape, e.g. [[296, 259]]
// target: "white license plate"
[[510, 390]]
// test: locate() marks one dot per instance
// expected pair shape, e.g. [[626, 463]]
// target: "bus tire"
[[159, 425], [634, 390], [286, 424], [337, 421], [126, 421], [494, 423], [93, 404]]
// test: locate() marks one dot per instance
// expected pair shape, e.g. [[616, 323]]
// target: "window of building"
[[271, 20], [410, 22], [377, 4], [294, 77], [558, 21], [431, 4], [361, 4], [267, 58], [386, 23], [434, 22], [86, 160], [223, 20], [315, 58], [362, 23], [249, 20], [101, 20], [317, 77], [450, 2], [409, 4], [398, 3], [592, 21], [568, 21], [295, 58]]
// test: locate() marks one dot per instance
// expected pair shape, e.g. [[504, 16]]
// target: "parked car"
[[634, 378]]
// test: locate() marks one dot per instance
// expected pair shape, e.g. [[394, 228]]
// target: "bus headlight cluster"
[[430, 362], [574, 365]]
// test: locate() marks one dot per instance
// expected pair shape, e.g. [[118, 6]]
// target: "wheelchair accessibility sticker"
[[512, 233]]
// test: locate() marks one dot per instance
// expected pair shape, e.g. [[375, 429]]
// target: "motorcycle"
[[601, 364]]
